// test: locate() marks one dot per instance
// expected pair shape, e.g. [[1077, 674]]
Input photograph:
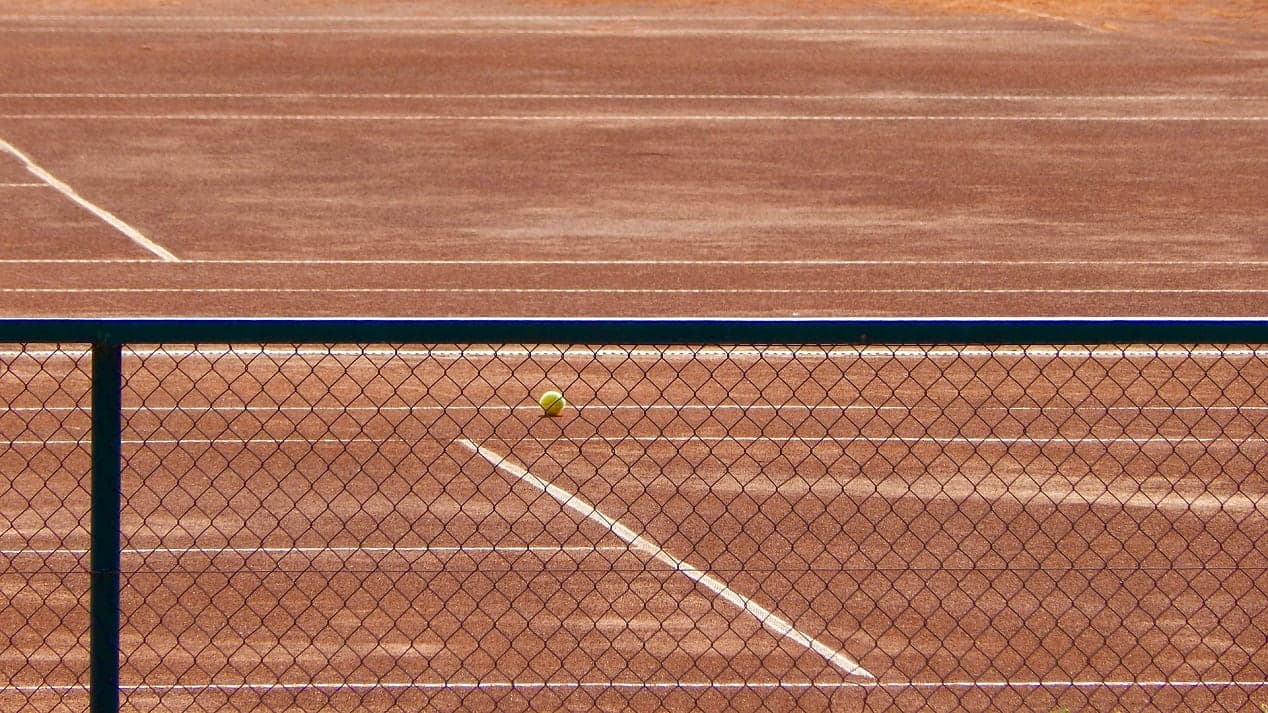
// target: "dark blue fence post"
[[103, 612]]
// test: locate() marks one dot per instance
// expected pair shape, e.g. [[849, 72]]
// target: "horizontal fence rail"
[[768, 515]]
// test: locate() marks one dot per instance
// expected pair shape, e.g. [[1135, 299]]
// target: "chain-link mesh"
[[726, 528], [44, 501]]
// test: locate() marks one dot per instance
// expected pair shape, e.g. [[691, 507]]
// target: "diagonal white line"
[[104, 215], [767, 618]]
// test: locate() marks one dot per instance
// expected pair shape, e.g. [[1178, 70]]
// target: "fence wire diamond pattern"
[[763, 528]]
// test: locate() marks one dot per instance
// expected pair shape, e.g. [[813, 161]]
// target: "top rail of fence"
[[687, 331]]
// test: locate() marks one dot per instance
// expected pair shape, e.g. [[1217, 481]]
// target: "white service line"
[[874, 96], [867, 353], [635, 685], [459, 549], [1109, 262], [841, 441], [132, 233], [628, 118], [632, 290], [645, 408], [767, 618], [629, 31], [397, 19], [30, 185], [578, 441]]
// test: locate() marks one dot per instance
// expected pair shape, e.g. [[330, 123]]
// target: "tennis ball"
[[552, 402]]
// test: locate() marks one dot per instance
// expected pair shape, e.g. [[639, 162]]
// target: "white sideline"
[[624, 118], [563, 262], [132, 233], [625, 291], [633, 685], [768, 619], [861, 352], [860, 96], [565, 31], [430, 549], [1072, 441]]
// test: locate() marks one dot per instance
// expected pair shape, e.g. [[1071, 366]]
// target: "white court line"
[[631, 31], [370, 19], [132, 233], [640, 685], [29, 185], [873, 96], [1111, 262], [645, 408], [820, 440], [739, 352], [841, 441], [1049, 490], [474, 549], [767, 618], [628, 118], [634, 290]]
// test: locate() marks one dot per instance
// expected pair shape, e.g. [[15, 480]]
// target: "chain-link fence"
[[967, 526]]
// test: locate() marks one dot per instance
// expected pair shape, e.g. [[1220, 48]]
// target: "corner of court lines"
[[100, 213], [772, 622]]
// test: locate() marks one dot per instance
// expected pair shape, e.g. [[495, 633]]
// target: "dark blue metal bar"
[[103, 606], [1083, 331]]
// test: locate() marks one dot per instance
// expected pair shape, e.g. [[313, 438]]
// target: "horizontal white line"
[[25, 185], [641, 408], [636, 685], [548, 261], [396, 19], [585, 439], [739, 352], [472, 549], [634, 290], [628, 31], [849, 440], [873, 96], [650, 118]]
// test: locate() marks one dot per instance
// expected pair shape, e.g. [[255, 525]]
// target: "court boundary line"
[[861, 96], [769, 620], [643, 290], [631, 118], [1110, 262], [708, 352], [338, 550], [637, 685], [370, 19], [623, 32], [979, 408], [104, 215], [827, 439]]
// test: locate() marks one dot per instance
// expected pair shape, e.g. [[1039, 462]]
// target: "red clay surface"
[[936, 158], [986, 532], [980, 531]]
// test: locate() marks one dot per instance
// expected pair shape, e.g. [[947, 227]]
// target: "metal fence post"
[[107, 384]]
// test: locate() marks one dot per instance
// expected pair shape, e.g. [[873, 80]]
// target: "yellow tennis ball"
[[552, 402]]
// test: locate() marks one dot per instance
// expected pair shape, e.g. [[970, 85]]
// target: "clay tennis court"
[[756, 528]]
